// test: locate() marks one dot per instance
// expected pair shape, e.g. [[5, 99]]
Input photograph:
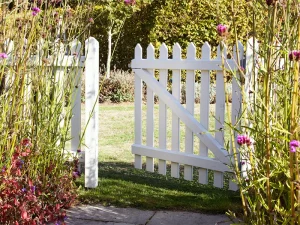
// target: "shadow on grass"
[[122, 185]]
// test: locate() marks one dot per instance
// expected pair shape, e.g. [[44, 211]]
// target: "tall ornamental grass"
[[267, 170], [36, 180]]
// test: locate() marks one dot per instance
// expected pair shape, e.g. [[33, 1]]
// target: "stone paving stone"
[[187, 218], [110, 214]]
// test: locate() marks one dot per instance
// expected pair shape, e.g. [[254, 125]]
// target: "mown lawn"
[[122, 185]]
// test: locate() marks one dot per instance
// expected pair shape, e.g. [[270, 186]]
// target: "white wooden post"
[[204, 109], [91, 112], [176, 91], [190, 102], [150, 113], [138, 109], [163, 76], [75, 47], [236, 106], [220, 110]]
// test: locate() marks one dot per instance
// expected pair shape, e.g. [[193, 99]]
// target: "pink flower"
[[3, 55], [35, 11], [244, 139], [294, 55], [222, 29], [293, 145]]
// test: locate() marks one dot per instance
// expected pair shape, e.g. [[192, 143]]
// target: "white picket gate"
[[76, 63], [144, 72]]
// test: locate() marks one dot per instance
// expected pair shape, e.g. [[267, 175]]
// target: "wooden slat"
[[163, 76], [176, 91], [180, 157], [76, 72], [183, 64], [220, 111], [190, 101], [138, 109], [204, 109], [150, 114]]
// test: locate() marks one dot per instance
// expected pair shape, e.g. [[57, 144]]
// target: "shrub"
[[28, 198], [118, 88]]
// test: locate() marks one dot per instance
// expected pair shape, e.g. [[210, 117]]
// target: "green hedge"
[[172, 21]]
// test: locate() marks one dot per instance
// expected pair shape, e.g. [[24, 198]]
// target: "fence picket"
[[190, 101], [220, 110], [91, 112], [163, 79], [236, 105], [150, 112], [138, 109], [176, 91], [204, 109], [75, 48]]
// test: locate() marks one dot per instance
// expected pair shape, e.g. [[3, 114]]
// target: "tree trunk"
[[108, 54]]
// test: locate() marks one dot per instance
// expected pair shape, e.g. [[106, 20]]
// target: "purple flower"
[[78, 150], [35, 11], [244, 139], [292, 149], [32, 188], [23, 189], [3, 169], [294, 55], [3, 55], [222, 29], [293, 145]]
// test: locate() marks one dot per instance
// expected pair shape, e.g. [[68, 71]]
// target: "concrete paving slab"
[[74, 221], [102, 214], [187, 218]]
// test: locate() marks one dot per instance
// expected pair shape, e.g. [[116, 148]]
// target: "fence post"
[[91, 112]]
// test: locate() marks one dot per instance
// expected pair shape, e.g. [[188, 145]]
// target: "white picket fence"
[[188, 156], [76, 63]]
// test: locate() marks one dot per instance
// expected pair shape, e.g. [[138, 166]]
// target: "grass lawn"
[[122, 185]]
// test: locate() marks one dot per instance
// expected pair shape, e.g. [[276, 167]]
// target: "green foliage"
[[171, 21]]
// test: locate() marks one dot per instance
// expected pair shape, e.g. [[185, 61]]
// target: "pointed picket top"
[[163, 51], [91, 47], [206, 51], [138, 52], [8, 46], [240, 50], [176, 51], [150, 52], [224, 52], [75, 47], [191, 51]]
